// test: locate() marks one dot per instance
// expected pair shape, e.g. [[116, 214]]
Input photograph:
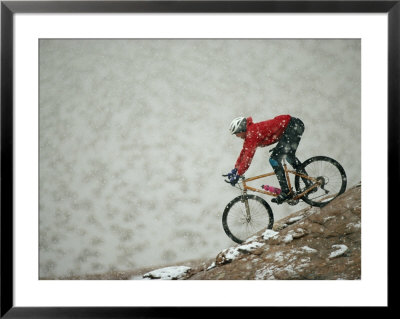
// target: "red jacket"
[[260, 134]]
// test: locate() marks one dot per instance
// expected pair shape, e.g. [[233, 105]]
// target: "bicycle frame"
[[287, 172]]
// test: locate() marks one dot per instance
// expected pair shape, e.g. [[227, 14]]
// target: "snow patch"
[[290, 270], [313, 210], [250, 247], [174, 272], [328, 218], [309, 249], [251, 239], [300, 232], [352, 225], [233, 252], [340, 250], [295, 219], [279, 256], [269, 233], [305, 262], [213, 265], [265, 273], [288, 238], [140, 277]]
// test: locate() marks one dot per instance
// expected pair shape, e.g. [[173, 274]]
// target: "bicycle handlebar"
[[240, 177]]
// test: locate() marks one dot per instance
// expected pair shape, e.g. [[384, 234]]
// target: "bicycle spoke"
[[240, 225]]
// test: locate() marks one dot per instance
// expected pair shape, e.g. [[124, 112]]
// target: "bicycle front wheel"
[[245, 215], [328, 174]]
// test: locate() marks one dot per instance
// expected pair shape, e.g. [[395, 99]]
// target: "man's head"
[[238, 126]]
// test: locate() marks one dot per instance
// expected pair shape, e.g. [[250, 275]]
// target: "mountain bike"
[[317, 181]]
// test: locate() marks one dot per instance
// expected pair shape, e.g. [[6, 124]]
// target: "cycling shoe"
[[281, 198]]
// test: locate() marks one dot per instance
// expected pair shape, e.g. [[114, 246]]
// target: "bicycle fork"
[[246, 205]]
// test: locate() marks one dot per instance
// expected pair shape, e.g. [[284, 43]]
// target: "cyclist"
[[284, 130]]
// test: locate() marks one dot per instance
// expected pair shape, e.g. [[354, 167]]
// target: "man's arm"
[[246, 156]]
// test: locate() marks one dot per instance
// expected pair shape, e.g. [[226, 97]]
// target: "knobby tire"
[[267, 220]]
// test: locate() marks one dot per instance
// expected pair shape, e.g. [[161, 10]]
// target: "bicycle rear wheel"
[[330, 176], [238, 225]]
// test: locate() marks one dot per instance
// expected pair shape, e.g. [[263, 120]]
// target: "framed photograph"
[[118, 124]]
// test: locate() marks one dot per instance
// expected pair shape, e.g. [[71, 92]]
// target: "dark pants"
[[287, 147]]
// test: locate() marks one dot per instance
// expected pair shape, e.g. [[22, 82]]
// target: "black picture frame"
[[9, 8]]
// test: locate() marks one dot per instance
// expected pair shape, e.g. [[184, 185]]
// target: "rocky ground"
[[313, 243], [310, 244]]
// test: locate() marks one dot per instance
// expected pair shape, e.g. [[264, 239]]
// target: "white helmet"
[[238, 125]]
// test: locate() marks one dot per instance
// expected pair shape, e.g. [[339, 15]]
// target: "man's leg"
[[296, 164], [276, 163], [286, 146], [294, 133]]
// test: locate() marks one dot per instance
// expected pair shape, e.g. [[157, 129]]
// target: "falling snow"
[[134, 138]]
